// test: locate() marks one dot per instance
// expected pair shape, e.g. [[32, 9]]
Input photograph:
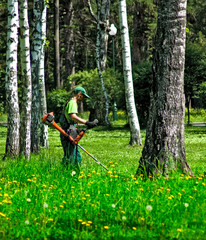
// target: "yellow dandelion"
[[169, 197], [106, 227], [203, 184], [83, 223], [179, 194], [141, 189], [61, 206], [191, 197], [179, 230], [2, 214], [87, 224], [14, 181], [87, 195], [90, 222], [168, 189], [64, 202], [51, 219], [29, 180], [134, 228], [107, 195], [80, 220]]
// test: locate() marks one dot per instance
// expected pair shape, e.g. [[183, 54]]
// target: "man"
[[68, 122]]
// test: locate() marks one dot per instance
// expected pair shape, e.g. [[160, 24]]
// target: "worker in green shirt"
[[68, 122]]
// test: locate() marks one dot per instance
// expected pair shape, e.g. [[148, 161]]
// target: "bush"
[[56, 101], [114, 86]]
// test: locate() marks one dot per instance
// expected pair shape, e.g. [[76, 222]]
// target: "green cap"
[[81, 90]]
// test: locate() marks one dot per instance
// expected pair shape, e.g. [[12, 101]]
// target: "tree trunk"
[[135, 136], [164, 149], [104, 18], [42, 91], [25, 124], [57, 45], [12, 141], [98, 51], [36, 47], [69, 40]]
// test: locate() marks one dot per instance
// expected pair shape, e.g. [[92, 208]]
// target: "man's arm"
[[75, 118]]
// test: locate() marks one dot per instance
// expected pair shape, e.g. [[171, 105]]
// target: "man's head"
[[80, 92]]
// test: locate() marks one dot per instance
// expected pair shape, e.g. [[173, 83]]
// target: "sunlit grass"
[[40, 199]]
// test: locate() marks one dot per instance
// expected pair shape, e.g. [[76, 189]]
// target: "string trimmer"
[[49, 120]]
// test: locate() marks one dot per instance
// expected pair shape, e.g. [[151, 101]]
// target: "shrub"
[[56, 101]]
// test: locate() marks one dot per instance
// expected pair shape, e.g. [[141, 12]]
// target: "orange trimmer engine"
[[49, 120]]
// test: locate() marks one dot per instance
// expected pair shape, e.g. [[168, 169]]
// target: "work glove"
[[92, 124]]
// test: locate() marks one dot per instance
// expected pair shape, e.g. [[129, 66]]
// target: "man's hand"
[[92, 124]]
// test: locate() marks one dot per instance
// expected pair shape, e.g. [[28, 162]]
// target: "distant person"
[[68, 120]]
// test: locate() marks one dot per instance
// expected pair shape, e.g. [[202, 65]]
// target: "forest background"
[[77, 62]]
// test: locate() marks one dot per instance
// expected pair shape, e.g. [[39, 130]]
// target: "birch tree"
[[11, 86], [26, 86], [135, 136], [164, 149], [103, 19], [98, 51], [36, 50], [42, 92]]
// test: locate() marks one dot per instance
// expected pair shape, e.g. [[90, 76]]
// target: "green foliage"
[[142, 78], [195, 69], [40, 199], [56, 101], [90, 81]]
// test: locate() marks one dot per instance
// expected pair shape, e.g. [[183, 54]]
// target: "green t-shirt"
[[71, 107]]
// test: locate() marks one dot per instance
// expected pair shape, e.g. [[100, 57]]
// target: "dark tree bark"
[[57, 45], [69, 40], [164, 148]]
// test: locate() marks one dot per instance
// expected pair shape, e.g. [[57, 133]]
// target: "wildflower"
[[83, 223], [73, 173], [107, 195], [89, 222], [113, 205], [149, 208], [2, 214], [186, 205], [27, 222], [141, 189], [179, 194], [51, 219], [6, 194], [45, 205], [80, 220], [28, 200], [124, 218], [61, 206], [29, 180], [134, 228], [106, 227], [203, 184], [179, 230]]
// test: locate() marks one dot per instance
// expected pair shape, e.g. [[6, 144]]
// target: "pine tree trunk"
[[12, 141], [164, 149], [36, 47], [42, 91], [135, 136], [69, 40], [25, 123], [57, 45]]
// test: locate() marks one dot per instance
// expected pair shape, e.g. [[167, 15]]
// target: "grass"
[[40, 199]]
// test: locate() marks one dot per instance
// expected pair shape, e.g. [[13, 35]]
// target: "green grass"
[[40, 199]]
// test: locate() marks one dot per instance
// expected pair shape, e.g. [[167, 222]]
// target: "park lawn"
[[40, 199]]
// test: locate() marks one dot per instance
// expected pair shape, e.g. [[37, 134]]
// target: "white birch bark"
[[35, 60], [25, 120], [11, 85], [98, 48], [135, 136], [42, 92]]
